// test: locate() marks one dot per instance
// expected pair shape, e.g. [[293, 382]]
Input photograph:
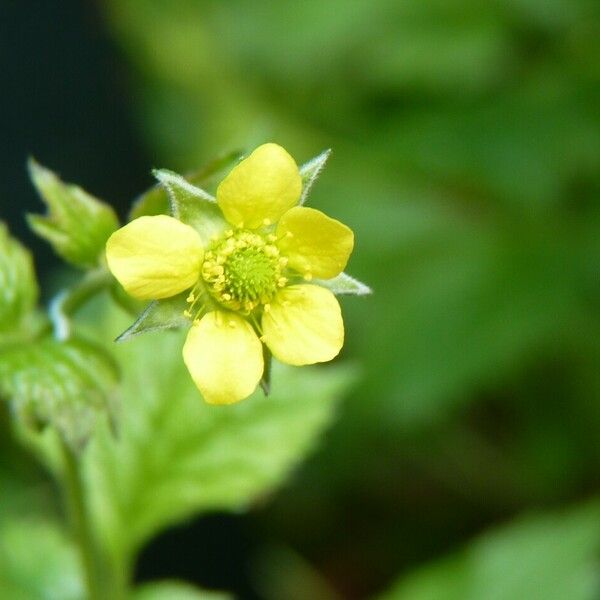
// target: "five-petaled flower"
[[251, 284]]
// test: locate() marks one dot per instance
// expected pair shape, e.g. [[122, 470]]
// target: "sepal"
[[310, 171], [77, 224], [155, 201], [265, 380], [159, 314], [343, 284], [192, 205], [180, 190]]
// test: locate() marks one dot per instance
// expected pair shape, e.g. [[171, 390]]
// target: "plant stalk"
[[80, 523]]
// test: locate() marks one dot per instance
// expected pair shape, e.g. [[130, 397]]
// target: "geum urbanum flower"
[[250, 283]]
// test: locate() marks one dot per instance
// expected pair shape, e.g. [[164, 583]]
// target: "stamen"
[[243, 270]]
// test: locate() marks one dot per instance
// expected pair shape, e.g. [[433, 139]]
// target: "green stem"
[[106, 576], [80, 522], [70, 300]]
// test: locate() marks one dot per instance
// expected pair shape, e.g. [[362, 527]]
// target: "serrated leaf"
[[544, 557], [310, 171], [18, 286], [176, 590], [159, 314], [343, 284], [177, 456], [38, 561], [77, 224], [66, 385]]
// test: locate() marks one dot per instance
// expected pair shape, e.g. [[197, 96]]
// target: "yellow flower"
[[249, 285]]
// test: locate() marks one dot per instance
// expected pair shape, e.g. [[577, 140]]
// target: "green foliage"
[[37, 562], [18, 286], [175, 590], [467, 160], [176, 456], [77, 225], [63, 384], [545, 557]]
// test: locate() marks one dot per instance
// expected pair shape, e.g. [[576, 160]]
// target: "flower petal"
[[262, 187], [314, 244], [303, 325], [155, 257], [224, 357]]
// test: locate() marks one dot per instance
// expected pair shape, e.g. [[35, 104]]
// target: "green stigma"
[[243, 270]]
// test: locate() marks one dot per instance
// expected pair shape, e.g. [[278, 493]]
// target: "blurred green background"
[[466, 157]]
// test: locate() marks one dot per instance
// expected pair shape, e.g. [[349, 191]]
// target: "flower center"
[[242, 270]]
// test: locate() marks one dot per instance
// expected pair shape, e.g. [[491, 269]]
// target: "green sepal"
[[265, 380], [159, 314], [77, 224], [344, 285], [180, 191], [155, 201], [310, 171], [65, 385], [192, 205], [18, 285]]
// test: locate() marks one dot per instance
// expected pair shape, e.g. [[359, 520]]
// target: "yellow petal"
[[262, 187], [155, 257], [224, 357], [303, 325], [314, 243]]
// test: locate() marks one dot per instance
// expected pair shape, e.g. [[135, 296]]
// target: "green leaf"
[[37, 561], [64, 385], [18, 286], [343, 284], [310, 171], [176, 456], [159, 314], [176, 590], [77, 224], [543, 557]]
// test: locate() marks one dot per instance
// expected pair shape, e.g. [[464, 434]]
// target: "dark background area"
[[65, 101]]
